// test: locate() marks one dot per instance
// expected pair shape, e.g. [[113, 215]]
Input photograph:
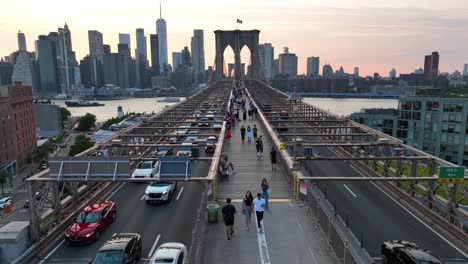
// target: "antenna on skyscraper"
[[160, 9]]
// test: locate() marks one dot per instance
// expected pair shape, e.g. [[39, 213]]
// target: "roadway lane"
[[373, 213], [172, 221]]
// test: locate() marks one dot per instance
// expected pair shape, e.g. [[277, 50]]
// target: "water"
[[347, 106], [103, 113], [340, 106]]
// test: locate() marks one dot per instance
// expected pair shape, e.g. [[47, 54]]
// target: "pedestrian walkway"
[[250, 169], [289, 235]]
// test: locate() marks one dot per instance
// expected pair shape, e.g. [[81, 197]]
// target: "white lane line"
[[52, 252], [143, 197], [299, 225], [262, 244], [154, 246], [180, 192], [313, 255], [349, 190], [63, 241], [417, 218], [118, 189]]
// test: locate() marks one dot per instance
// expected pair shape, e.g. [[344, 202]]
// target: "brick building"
[[17, 125]]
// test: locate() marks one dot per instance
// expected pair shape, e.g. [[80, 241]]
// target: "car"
[[63, 145], [210, 147], [186, 124], [146, 169], [218, 126], [210, 115], [192, 139], [212, 139], [193, 132], [122, 248], [282, 126], [403, 252], [185, 149], [204, 122], [172, 140], [160, 191], [90, 223], [181, 131], [164, 151], [5, 200], [170, 253], [44, 165], [284, 115]]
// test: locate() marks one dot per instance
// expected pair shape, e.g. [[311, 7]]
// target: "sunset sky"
[[374, 35]]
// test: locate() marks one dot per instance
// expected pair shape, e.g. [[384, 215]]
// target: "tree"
[[42, 152], [3, 178], [64, 113], [86, 122], [82, 143]]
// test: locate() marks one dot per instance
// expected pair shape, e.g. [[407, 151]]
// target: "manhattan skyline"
[[343, 33]]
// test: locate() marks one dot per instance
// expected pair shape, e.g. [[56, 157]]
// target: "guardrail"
[[198, 232]]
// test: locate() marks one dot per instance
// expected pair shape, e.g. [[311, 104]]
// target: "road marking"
[[118, 189], [262, 244], [299, 225], [154, 246], [417, 218], [52, 252], [313, 255], [143, 197], [349, 190], [180, 192]]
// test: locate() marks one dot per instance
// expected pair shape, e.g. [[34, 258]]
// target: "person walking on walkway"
[[265, 191], [247, 208], [242, 130], [257, 147], [244, 114], [273, 159], [228, 135], [228, 216], [259, 207], [255, 131], [260, 143], [249, 134]]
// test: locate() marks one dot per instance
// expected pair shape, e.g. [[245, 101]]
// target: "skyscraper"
[[46, 57], [431, 65], [67, 37], [116, 69], [141, 41], [125, 39], [21, 42], [198, 55], [96, 42], [465, 69], [313, 66], [162, 39], [70, 62], [392, 73], [288, 63], [141, 58], [154, 45], [327, 71], [176, 60], [90, 70], [356, 71], [266, 52], [185, 54], [23, 67]]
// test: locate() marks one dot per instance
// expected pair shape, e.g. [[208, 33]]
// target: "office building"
[[288, 63], [47, 68], [23, 66], [70, 62], [96, 44], [125, 39], [176, 60], [198, 55], [91, 72], [431, 65], [161, 30], [116, 69], [465, 69], [141, 58], [356, 71], [266, 52], [185, 57], [47, 119], [6, 71], [313, 66], [18, 128], [392, 74], [327, 71], [154, 45]]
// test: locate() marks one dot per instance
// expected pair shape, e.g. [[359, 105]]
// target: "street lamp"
[[295, 99]]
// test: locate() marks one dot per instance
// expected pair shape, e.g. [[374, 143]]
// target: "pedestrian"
[[250, 113], [255, 131], [261, 145], [225, 164], [259, 207], [242, 130], [228, 216], [273, 159], [249, 134], [247, 208], [257, 147], [228, 135], [244, 114], [265, 191]]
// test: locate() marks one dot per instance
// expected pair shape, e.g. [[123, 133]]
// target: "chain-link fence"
[[340, 238]]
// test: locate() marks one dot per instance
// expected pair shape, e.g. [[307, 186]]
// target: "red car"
[[90, 222]]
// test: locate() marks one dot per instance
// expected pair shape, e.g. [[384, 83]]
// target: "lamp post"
[[295, 99]]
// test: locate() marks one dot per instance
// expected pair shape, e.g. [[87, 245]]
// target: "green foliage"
[[114, 120], [82, 143], [64, 113], [42, 152], [86, 122]]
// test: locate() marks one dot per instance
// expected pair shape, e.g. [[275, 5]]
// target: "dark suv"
[[405, 252], [122, 248]]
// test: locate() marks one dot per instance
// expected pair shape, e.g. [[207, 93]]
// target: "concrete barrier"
[[14, 240]]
